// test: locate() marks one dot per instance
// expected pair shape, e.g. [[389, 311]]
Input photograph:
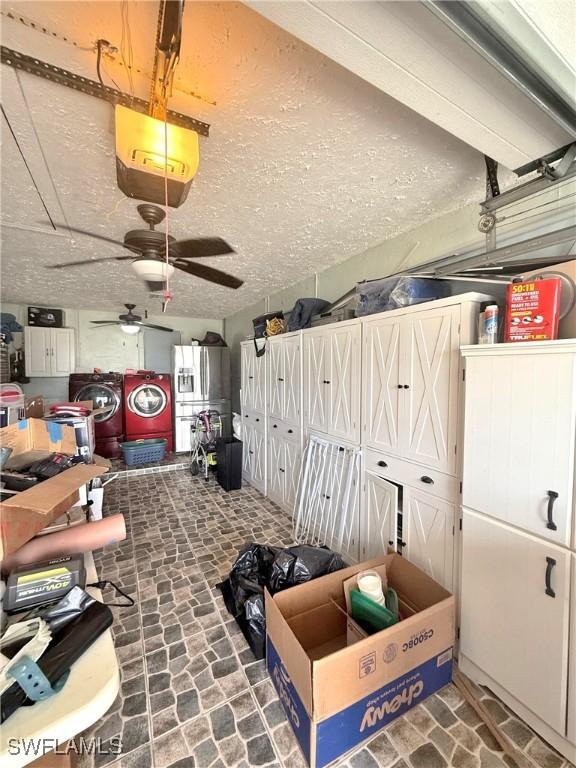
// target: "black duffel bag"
[[259, 324]]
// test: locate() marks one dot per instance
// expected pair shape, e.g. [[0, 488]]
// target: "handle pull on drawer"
[[382, 464], [290, 431], [427, 480], [552, 496], [550, 563]]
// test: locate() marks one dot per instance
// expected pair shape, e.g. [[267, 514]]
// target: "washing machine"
[[148, 406], [103, 389]]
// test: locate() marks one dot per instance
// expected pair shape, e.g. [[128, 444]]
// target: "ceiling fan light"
[[131, 330], [152, 270]]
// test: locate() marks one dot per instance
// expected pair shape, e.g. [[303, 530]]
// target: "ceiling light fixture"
[[152, 270], [131, 330]]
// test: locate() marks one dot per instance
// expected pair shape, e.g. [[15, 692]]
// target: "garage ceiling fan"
[[131, 323], [148, 253]]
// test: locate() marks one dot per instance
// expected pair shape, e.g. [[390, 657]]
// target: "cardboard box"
[[338, 695], [27, 513], [83, 426]]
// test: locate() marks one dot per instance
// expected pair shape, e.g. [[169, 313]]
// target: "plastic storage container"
[[143, 451], [229, 463]]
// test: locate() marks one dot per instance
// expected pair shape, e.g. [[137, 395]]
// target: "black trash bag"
[[258, 566], [302, 563], [250, 573]]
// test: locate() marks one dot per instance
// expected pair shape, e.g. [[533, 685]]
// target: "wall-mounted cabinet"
[[49, 352]]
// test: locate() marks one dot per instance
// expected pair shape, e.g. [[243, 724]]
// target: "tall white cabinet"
[[253, 399], [411, 429], [518, 580]]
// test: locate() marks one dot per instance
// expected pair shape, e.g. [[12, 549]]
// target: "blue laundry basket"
[[143, 451]]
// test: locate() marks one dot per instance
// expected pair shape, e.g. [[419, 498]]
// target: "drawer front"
[[279, 428], [415, 475], [255, 419]]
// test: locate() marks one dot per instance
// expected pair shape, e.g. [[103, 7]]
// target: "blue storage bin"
[[143, 451]]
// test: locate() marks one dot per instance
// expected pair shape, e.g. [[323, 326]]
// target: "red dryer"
[[148, 406], [103, 389]]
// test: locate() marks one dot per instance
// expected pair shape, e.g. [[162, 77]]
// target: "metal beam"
[[524, 190], [506, 254], [34, 66]]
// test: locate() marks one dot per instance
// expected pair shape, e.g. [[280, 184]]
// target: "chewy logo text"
[[374, 714]]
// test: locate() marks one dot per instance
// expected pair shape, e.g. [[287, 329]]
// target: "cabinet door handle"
[[390, 543], [280, 379], [552, 496], [250, 377], [325, 381], [426, 479], [400, 386], [290, 431], [406, 386], [274, 426], [382, 464], [550, 563], [257, 419], [326, 496], [251, 453], [245, 415], [281, 470]]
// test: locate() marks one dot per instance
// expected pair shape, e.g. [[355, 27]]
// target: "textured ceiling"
[[305, 166]]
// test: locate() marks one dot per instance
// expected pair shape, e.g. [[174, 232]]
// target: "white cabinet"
[[428, 534], [518, 557], [253, 379], [379, 516], [254, 454], [520, 418], [410, 385], [284, 460], [332, 380], [515, 613], [49, 351], [284, 378]]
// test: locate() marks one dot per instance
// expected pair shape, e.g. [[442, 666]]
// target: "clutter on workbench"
[[259, 567], [338, 686]]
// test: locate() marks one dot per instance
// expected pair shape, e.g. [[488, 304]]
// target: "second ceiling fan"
[[148, 253]]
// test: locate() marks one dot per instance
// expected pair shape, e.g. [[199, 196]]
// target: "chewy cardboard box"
[[83, 426], [28, 512], [335, 694]]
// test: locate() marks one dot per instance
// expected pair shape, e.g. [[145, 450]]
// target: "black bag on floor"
[[258, 566]]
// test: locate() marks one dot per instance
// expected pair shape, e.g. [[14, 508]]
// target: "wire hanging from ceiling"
[[100, 43], [126, 50], [167, 292]]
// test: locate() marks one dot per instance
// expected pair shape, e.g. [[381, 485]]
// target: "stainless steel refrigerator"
[[201, 382]]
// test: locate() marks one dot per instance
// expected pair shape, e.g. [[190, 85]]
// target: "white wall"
[[106, 347]]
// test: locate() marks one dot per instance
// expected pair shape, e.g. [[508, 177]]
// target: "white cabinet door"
[[258, 460], [344, 383], [258, 392], [292, 464], [428, 534], [292, 379], [276, 469], [247, 355], [379, 516], [37, 351], [62, 351], [247, 450], [316, 395], [511, 628], [429, 379], [520, 416], [381, 377], [276, 378]]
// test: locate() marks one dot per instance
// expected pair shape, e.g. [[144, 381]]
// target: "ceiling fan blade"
[[155, 327], [107, 322], [208, 273], [100, 237], [200, 248], [89, 261]]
